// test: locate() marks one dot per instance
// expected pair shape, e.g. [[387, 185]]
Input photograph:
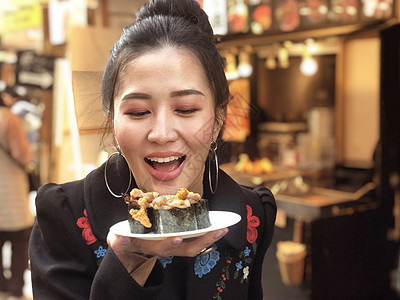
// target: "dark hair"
[[10, 91], [180, 23]]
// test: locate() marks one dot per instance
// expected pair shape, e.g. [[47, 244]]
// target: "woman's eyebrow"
[[186, 93], [179, 93], [131, 96]]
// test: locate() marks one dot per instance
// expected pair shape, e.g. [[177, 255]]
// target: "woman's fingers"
[[122, 245], [118, 243], [173, 246], [192, 247]]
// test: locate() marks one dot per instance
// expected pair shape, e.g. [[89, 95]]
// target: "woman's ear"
[[219, 123], [217, 129]]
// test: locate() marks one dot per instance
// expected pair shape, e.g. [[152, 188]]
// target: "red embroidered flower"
[[252, 223], [87, 233]]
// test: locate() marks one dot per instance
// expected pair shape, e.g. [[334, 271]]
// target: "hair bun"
[[189, 10]]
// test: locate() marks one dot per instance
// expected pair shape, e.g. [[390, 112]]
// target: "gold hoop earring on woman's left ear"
[[214, 152], [122, 195]]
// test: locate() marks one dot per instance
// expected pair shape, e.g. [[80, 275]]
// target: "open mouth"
[[165, 164]]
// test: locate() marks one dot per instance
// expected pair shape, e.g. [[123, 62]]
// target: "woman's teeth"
[[165, 164], [164, 159]]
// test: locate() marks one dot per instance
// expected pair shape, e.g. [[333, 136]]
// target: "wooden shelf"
[[239, 40]]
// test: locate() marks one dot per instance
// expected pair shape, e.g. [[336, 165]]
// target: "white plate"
[[218, 219]]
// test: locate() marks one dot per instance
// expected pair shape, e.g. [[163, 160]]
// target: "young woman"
[[165, 94]]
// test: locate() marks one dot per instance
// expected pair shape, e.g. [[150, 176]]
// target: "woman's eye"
[[186, 111], [138, 114]]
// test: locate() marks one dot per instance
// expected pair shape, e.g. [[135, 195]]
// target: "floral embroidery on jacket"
[[246, 251], [252, 223], [100, 252], [241, 267], [224, 277], [165, 260], [87, 233], [245, 272], [205, 263]]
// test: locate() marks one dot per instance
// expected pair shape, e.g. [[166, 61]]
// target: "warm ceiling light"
[[231, 70], [245, 68], [308, 65], [270, 63], [283, 58]]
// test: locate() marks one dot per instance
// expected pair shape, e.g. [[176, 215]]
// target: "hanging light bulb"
[[308, 65], [231, 70], [288, 44], [311, 45], [283, 58], [270, 63], [245, 68]]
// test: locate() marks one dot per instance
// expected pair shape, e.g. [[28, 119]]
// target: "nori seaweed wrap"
[[202, 214], [174, 220]]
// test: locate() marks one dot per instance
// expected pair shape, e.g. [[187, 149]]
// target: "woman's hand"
[[134, 253], [125, 247]]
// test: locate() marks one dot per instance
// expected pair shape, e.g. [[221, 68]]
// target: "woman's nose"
[[162, 130]]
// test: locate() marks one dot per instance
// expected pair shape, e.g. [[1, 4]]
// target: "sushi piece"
[[139, 211], [150, 211]]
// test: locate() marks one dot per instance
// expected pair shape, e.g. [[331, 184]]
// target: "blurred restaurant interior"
[[314, 116]]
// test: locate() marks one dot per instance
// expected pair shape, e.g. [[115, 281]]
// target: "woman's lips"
[[163, 167]]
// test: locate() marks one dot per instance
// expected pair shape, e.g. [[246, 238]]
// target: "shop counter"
[[305, 204], [336, 226]]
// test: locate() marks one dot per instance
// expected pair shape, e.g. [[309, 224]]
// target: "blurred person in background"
[[16, 219], [31, 116]]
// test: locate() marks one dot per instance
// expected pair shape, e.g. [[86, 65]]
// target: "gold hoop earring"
[[122, 195], [214, 151]]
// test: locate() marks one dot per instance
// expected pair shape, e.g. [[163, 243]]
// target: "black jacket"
[[70, 260]]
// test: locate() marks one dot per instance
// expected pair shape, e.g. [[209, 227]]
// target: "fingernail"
[[123, 241], [220, 234], [177, 241]]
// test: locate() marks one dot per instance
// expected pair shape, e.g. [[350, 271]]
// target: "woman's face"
[[164, 120]]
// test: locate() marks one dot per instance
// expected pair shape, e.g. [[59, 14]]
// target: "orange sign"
[[237, 123]]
